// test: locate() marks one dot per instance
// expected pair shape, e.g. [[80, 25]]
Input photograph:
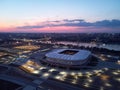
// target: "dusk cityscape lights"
[[59, 45]]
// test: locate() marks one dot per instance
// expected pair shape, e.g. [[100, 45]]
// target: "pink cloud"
[[75, 25]]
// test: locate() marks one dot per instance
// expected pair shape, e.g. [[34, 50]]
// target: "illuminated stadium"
[[68, 57]]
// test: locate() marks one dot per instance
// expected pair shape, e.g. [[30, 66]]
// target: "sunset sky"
[[60, 16]]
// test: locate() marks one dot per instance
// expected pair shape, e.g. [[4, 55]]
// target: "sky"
[[60, 16]]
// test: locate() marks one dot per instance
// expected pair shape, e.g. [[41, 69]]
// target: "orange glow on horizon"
[[45, 29], [55, 29], [51, 29]]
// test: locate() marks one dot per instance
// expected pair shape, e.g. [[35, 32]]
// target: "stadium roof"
[[69, 54]]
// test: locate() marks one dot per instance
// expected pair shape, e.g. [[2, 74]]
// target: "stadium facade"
[[68, 57]]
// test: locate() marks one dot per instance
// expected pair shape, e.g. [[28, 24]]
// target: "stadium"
[[68, 57]]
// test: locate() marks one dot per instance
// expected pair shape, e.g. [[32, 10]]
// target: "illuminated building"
[[68, 57]]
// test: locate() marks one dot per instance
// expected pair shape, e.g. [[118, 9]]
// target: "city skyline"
[[60, 16]]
